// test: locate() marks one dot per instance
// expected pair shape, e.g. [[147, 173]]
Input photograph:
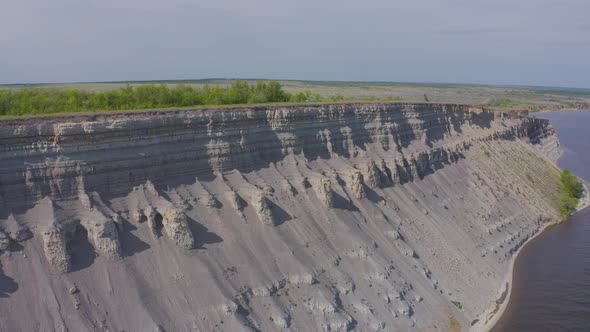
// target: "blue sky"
[[521, 42]]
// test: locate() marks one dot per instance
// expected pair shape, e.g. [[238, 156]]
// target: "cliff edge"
[[318, 217]]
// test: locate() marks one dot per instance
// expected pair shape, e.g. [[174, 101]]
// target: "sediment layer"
[[326, 217]]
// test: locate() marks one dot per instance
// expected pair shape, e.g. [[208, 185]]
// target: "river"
[[551, 282]]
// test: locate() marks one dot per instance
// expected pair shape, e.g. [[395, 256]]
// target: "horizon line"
[[419, 83]]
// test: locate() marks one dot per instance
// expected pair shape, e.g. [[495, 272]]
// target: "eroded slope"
[[334, 217]]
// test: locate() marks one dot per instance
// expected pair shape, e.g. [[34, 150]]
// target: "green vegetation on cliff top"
[[75, 98], [49, 101], [507, 104]]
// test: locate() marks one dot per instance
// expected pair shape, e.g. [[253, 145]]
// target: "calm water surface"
[[552, 274]]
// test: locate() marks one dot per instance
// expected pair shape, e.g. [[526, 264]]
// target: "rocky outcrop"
[[183, 144], [16, 230], [54, 244], [4, 242], [103, 234], [177, 228], [263, 208], [381, 215], [374, 175], [323, 188], [357, 185]]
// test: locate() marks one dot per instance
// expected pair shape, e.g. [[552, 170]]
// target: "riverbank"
[[495, 313]]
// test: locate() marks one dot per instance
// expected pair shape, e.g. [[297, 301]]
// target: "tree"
[[301, 97], [239, 92], [42, 101], [572, 190], [571, 185], [274, 93]]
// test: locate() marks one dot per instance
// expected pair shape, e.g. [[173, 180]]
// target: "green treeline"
[[44, 101], [571, 192]]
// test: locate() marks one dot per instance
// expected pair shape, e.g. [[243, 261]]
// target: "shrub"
[[43, 101], [301, 97], [571, 191], [571, 184]]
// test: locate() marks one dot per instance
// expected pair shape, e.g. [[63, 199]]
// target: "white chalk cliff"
[[301, 218]]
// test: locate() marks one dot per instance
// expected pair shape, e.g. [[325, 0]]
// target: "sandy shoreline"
[[494, 313], [506, 293], [497, 312]]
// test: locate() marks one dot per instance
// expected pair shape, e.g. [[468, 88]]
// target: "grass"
[[45, 101], [507, 104], [204, 107], [496, 97]]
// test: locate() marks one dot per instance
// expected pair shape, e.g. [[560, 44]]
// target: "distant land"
[[509, 97]]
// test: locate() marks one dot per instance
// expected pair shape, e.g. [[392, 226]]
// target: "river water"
[[551, 283]]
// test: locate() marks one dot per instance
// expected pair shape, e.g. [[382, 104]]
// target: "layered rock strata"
[[325, 217]]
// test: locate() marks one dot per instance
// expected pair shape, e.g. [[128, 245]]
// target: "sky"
[[509, 42]]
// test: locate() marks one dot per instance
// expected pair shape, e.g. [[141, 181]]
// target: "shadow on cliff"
[[243, 314], [436, 122], [373, 196], [130, 244], [260, 146], [252, 141], [483, 119], [82, 253], [439, 120], [7, 284], [342, 203], [201, 234], [279, 215]]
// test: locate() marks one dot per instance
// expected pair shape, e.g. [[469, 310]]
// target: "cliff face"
[[328, 217]]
